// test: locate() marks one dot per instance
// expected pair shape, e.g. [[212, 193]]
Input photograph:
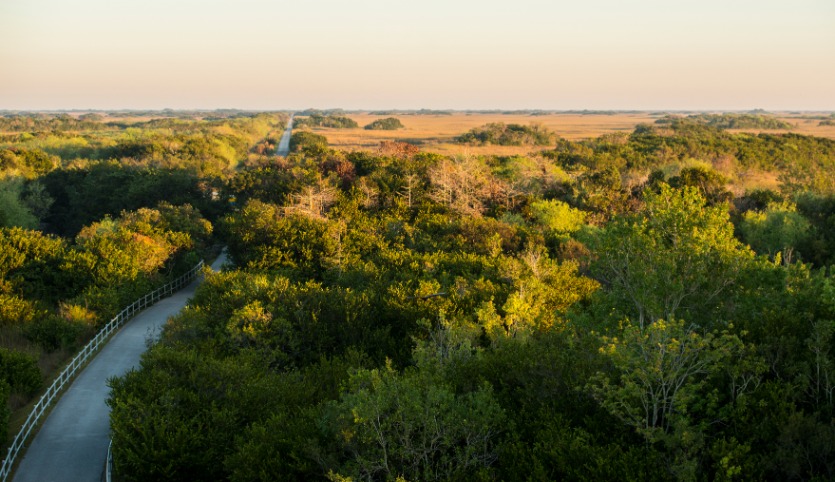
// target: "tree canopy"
[[635, 306]]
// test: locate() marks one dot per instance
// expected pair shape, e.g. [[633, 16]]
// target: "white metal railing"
[[108, 466], [89, 349]]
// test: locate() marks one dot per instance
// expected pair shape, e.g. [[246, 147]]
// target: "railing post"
[[108, 472]]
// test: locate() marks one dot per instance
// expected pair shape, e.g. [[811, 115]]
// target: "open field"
[[435, 133]]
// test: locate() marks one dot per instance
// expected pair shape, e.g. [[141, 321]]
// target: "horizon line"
[[409, 110]]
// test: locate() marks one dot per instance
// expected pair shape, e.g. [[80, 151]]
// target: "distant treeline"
[[330, 120], [43, 122], [38, 122], [734, 121], [206, 147], [411, 112]]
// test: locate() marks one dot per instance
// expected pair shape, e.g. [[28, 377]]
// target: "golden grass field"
[[435, 133]]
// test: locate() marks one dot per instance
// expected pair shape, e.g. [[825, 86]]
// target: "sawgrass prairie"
[[436, 133]]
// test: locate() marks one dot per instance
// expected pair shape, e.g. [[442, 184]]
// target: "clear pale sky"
[[457, 54]]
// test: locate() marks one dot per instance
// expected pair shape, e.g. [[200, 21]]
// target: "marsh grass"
[[436, 133]]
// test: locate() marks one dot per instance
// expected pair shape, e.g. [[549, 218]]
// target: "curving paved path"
[[284, 143], [72, 442]]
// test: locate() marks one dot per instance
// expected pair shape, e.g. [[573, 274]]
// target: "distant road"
[[72, 442], [284, 144]]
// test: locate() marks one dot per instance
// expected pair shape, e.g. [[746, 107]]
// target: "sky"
[[409, 54]]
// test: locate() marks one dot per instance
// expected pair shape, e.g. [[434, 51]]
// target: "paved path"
[[284, 144], [72, 442]]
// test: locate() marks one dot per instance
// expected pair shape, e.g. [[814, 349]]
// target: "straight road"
[[284, 144], [72, 442]]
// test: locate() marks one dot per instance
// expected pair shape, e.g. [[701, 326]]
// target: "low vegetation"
[[501, 134], [734, 121], [330, 120], [387, 124]]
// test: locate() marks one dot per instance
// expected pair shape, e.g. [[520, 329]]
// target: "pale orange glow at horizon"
[[375, 54]]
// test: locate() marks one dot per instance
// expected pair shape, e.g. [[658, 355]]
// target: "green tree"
[[660, 385], [558, 216], [176, 419], [414, 426], [674, 258], [308, 143], [710, 183], [20, 371], [779, 229], [13, 210]]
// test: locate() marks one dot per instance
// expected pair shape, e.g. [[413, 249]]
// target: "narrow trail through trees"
[[72, 443]]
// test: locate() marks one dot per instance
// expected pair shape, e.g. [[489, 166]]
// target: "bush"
[[5, 391], [414, 426], [509, 135], [308, 143], [387, 124], [20, 371], [52, 333]]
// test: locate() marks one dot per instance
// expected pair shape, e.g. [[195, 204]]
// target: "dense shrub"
[[509, 135], [332, 121], [735, 121], [387, 124], [20, 371]]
